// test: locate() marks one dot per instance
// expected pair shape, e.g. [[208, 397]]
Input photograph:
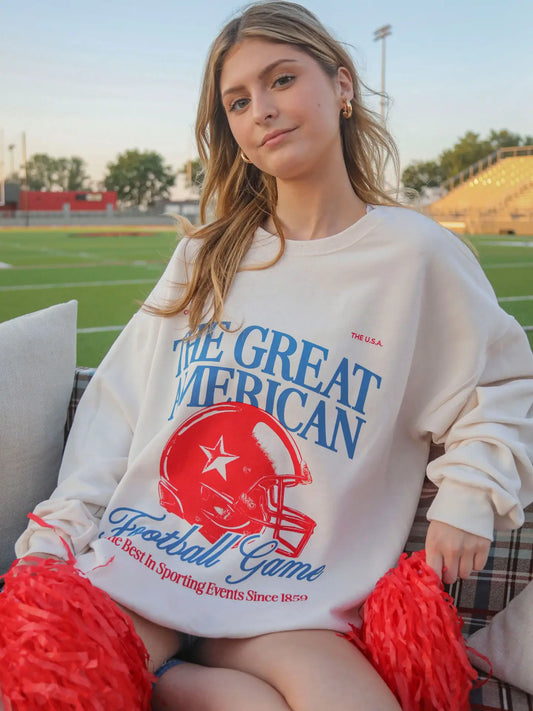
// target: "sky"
[[94, 79]]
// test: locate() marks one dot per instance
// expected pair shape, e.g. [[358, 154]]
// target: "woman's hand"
[[454, 553]]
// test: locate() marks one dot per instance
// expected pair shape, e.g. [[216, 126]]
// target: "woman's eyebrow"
[[262, 74]]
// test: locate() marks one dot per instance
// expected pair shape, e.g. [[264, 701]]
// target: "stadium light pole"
[[11, 148], [380, 34], [25, 177]]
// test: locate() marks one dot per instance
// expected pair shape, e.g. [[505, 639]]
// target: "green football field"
[[109, 271]]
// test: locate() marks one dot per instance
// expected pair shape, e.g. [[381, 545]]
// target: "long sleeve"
[[478, 371]]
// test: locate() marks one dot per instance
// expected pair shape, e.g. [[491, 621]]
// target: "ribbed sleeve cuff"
[[43, 541], [464, 507]]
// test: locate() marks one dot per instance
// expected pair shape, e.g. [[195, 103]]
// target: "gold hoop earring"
[[347, 109], [244, 158]]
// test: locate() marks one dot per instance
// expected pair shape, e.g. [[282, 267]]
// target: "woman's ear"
[[345, 83]]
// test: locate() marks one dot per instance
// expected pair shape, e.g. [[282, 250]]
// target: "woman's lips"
[[275, 137]]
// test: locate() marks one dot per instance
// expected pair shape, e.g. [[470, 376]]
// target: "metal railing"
[[485, 163]]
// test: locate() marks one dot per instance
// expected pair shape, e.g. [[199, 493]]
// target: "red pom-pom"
[[411, 634], [66, 646]]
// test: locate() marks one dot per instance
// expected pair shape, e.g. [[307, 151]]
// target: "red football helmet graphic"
[[227, 467]]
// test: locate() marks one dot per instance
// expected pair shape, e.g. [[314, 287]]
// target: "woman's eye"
[[284, 80], [238, 104]]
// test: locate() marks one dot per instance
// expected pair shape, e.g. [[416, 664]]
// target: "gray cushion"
[[507, 641], [37, 363]]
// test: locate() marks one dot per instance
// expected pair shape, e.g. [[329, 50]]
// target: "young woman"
[[249, 433]]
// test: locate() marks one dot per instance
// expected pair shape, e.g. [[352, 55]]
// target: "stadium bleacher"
[[492, 196]]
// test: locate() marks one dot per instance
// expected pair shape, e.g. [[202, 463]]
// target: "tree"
[[468, 150], [422, 175], [504, 139], [194, 171], [48, 173], [140, 178], [70, 173], [41, 170]]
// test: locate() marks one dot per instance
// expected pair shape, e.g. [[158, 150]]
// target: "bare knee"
[[188, 684], [312, 669], [214, 689], [321, 670], [344, 676]]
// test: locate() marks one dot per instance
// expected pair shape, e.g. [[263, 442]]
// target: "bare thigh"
[[191, 686], [161, 643], [313, 669]]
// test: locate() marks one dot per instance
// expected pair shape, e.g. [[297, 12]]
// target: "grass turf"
[[111, 270], [108, 274]]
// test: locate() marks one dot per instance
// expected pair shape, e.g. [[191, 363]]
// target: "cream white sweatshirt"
[[263, 477]]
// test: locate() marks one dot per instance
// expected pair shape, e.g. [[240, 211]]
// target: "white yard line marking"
[[507, 265], [70, 285], [504, 299], [152, 264], [502, 243], [46, 251], [99, 329]]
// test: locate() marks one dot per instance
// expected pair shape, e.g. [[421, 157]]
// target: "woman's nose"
[[263, 107]]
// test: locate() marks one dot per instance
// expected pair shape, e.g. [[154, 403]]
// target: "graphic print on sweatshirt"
[[226, 469], [249, 410], [315, 393]]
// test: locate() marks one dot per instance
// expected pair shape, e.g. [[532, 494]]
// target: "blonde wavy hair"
[[239, 194]]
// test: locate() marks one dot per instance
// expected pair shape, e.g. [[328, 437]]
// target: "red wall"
[[78, 200]]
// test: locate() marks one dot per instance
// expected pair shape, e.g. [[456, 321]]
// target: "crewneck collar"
[[323, 245]]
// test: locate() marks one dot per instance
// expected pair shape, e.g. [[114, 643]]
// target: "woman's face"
[[283, 109]]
